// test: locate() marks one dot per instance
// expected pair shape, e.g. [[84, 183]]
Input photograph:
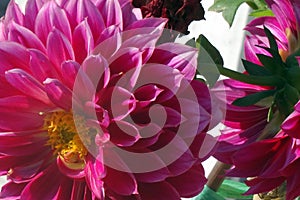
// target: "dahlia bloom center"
[[64, 138]]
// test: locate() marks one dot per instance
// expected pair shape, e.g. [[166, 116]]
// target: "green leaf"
[[254, 69], [191, 42], [203, 42], [227, 7], [253, 98], [271, 64], [208, 194], [273, 80], [233, 189], [271, 38], [262, 13], [208, 59]]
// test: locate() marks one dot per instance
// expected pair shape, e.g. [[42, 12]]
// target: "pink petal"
[[97, 69], [24, 36], [111, 12], [41, 67], [71, 173], [190, 183], [120, 182], [59, 48], [50, 176], [13, 12], [50, 16], [26, 84], [131, 56], [258, 185], [148, 22], [95, 172], [83, 41], [58, 93], [154, 191], [31, 10], [178, 56], [13, 55], [108, 42], [21, 103], [129, 15], [118, 101], [11, 190], [85, 9], [69, 70], [123, 133]]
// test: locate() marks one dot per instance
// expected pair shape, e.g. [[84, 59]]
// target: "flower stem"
[[217, 175]]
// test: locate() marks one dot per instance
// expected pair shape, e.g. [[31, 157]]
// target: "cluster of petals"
[[98, 58], [266, 153], [179, 12]]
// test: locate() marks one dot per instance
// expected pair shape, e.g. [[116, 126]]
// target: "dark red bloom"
[[179, 12]]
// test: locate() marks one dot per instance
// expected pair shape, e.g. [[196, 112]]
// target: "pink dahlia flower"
[[261, 141], [92, 109], [283, 26]]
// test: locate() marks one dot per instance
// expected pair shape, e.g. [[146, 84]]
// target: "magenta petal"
[[296, 8], [108, 42], [97, 69], [51, 16], [59, 48], [85, 9], [153, 176], [154, 191], [131, 56], [26, 83], [26, 171], [95, 172], [25, 37], [284, 13], [31, 10], [148, 22], [21, 103], [69, 70], [123, 133], [58, 93], [13, 55], [11, 190], [41, 67], [178, 56], [147, 94], [119, 101], [83, 41], [111, 12], [258, 185], [120, 182], [13, 12], [71, 173], [190, 183], [49, 176], [65, 189], [129, 15]]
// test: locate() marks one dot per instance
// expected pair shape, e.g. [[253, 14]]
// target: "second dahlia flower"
[[261, 141], [91, 108]]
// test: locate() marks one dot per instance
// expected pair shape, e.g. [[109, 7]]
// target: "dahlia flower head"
[[91, 108], [179, 12], [261, 140]]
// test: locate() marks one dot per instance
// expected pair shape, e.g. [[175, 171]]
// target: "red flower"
[[180, 13]]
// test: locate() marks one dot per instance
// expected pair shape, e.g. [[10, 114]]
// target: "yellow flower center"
[[64, 138]]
